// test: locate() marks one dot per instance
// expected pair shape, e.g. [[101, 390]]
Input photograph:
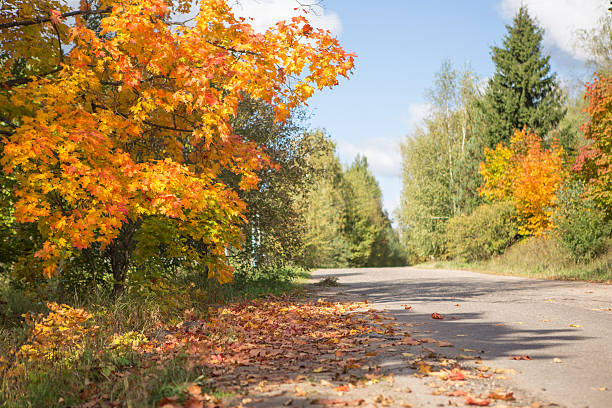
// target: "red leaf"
[[457, 393], [456, 375], [477, 401], [437, 316], [520, 358]]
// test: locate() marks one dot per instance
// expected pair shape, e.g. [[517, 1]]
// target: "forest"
[[512, 173], [160, 171]]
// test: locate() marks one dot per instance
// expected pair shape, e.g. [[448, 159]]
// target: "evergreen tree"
[[523, 91], [367, 223]]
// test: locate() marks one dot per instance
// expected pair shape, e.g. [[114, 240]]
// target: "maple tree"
[[595, 159], [129, 124], [529, 175]]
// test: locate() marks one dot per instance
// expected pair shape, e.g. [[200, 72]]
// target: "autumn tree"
[[527, 174], [594, 163], [129, 128], [523, 91]]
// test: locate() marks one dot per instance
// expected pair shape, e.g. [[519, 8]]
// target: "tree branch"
[[47, 19], [24, 80]]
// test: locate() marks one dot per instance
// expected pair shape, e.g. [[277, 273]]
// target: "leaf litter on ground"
[[298, 352]]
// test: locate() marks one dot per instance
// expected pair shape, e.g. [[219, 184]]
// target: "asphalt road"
[[565, 327]]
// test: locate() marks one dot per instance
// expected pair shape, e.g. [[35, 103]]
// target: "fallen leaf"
[[557, 360], [342, 388], [194, 390], [317, 370], [501, 396], [424, 368], [477, 401], [299, 392], [437, 316], [456, 375], [467, 350], [520, 358], [600, 388], [457, 393], [575, 325], [444, 344]]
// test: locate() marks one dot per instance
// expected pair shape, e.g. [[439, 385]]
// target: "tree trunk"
[[119, 253]]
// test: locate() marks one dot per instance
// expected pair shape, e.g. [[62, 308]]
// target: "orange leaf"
[[520, 357], [477, 401]]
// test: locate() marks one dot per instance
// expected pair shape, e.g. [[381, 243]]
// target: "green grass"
[[541, 258]]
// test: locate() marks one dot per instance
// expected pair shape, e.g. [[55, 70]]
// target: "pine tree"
[[523, 91]]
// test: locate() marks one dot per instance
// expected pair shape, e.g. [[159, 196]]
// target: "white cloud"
[[560, 19], [266, 13], [383, 155], [417, 112]]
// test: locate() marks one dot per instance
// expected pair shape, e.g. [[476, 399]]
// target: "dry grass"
[[541, 258]]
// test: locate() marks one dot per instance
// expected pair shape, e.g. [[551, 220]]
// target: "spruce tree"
[[523, 91]]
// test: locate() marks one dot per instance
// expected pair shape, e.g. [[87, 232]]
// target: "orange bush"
[[529, 175]]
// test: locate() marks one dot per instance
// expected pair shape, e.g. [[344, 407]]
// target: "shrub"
[[581, 227], [487, 231]]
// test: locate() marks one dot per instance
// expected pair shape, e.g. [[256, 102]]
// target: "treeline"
[[520, 157], [346, 225]]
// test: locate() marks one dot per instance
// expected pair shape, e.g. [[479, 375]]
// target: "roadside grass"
[[107, 361], [541, 258]]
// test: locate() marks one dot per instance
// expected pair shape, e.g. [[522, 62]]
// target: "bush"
[[488, 231], [580, 226]]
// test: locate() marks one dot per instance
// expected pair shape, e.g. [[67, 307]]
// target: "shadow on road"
[[493, 339], [488, 338], [449, 291]]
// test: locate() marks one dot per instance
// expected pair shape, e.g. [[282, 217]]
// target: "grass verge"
[[541, 258]]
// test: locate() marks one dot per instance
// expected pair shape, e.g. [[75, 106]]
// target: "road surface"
[[565, 327]]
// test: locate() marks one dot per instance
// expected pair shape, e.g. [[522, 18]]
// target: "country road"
[[565, 327]]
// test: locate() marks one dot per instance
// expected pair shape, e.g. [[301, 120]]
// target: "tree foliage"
[[368, 227], [437, 179], [489, 230], [529, 175], [131, 125], [346, 225], [597, 43], [323, 206], [595, 159], [581, 227], [523, 91]]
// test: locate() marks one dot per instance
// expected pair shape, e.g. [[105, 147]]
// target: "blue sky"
[[400, 45]]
